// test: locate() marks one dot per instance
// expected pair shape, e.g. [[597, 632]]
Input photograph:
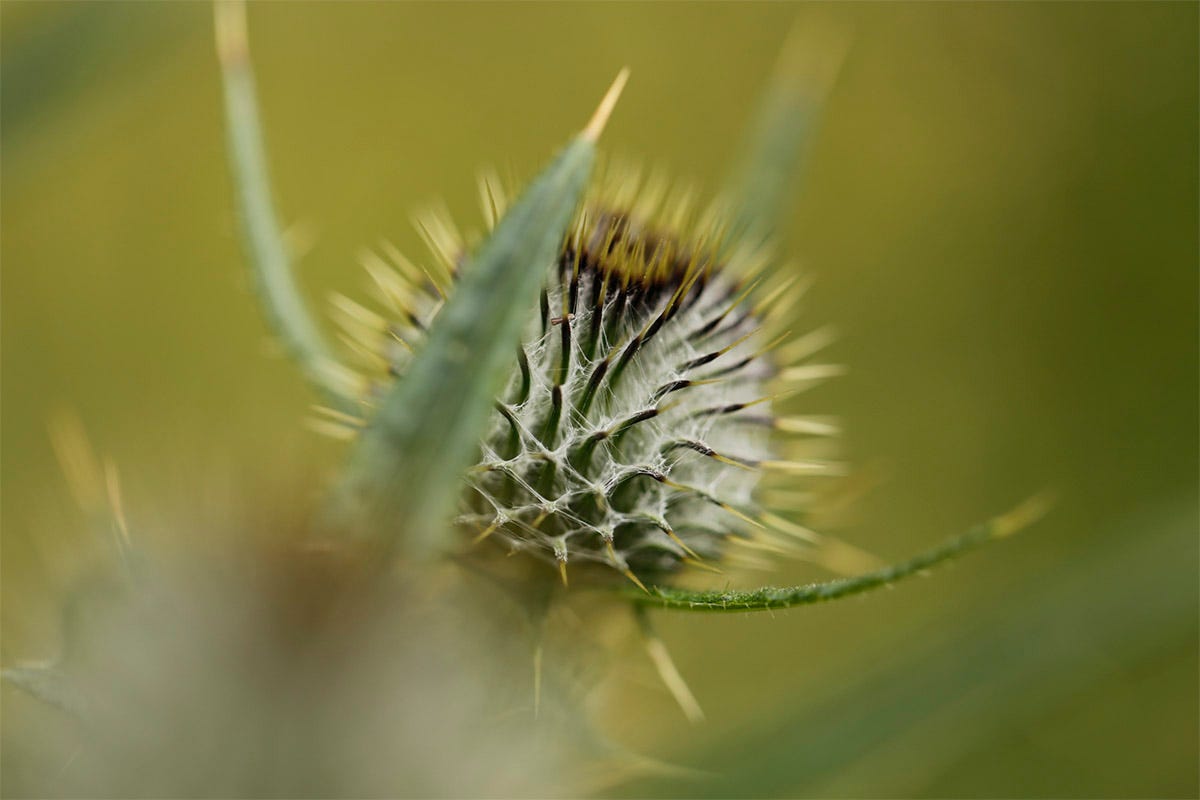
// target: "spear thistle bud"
[[637, 425]]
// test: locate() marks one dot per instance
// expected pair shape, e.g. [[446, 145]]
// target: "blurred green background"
[[1001, 213]]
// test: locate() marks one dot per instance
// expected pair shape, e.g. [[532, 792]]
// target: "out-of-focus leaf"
[[771, 154], [48, 684]]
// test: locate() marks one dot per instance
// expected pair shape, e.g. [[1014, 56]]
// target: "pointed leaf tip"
[[811, 57], [230, 27], [599, 119], [1024, 515]]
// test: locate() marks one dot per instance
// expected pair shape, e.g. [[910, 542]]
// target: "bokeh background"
[[1000, 210]]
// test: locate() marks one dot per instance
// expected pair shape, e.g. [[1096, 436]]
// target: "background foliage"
[[1001, 212]]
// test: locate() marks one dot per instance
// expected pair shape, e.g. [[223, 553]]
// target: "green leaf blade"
[[404, 475], [271, 269], [760, 187], [769, 598]]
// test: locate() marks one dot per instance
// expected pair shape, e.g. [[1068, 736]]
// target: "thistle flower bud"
[[637, 425]]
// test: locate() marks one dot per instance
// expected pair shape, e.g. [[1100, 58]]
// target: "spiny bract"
[[637, 428]]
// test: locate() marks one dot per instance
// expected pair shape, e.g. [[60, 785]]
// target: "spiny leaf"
[[771, 597], [771, 153], [403, 478], [270, 262]]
